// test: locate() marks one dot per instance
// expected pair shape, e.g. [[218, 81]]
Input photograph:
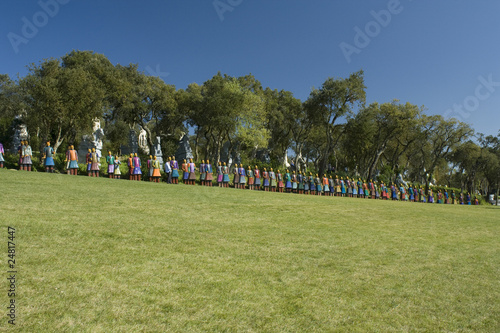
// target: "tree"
[[334, 100], [392, 120], [10, 107], [146, 102], [285, 119], [491, 162], [443, 136], [467, 157], [226, 109], [60, 102]]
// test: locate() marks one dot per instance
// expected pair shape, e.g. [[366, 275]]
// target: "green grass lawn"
[[101, 255]]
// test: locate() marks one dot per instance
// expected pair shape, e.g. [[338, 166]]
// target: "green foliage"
[[60, 101], [337, 98]]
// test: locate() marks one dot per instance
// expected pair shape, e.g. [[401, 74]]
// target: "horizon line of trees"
[[58, 99]]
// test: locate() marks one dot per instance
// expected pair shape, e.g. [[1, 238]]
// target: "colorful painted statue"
[[175, 170], [110, 160], [288, 181], [209, 174], [116, 170], [294, 182], [27, 155], [220, 175], [256, 174], [348, 189], [185, 172], [431, 196], [20, 151], [372, 189], [243, 178], [225, 175], [331, 185], [2, 160], [402, 192], [236, 176], [203, 173], [250, 177], [149, 165], [192, 172], [95, 163], [300, 183], [366, 190], [72, 159], [272, 177], [88, 161], [306, 183], [279, 179], [266, 183], [167, 167], [312, 185], [394, 192], [338, 188], [326, 185], [137, 167], [130, 164], [319, 187], [156, 170], [48, 158]]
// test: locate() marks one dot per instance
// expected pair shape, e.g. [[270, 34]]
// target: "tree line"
[[334, 129]]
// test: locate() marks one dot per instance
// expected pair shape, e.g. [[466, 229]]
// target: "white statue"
[[97, 134], [23, 132], [143, 142]]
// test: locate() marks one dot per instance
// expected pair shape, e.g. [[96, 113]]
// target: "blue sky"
[[440, 54]]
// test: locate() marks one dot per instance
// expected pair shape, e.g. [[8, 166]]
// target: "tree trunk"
[[374, 163], [59, 140], [196, 144]]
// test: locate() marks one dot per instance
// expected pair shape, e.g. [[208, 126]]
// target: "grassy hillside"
[[101, 255]]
